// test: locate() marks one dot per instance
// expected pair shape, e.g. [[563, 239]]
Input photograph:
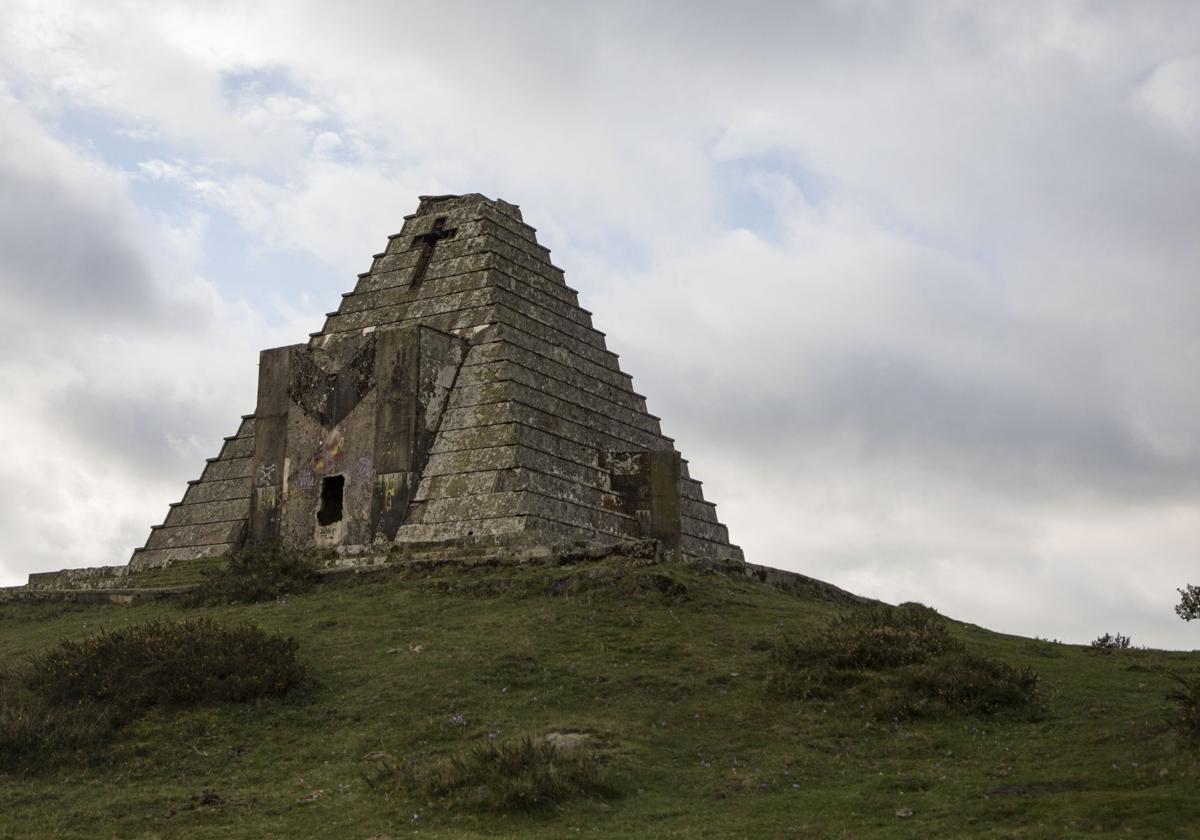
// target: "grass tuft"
[[515, 776]]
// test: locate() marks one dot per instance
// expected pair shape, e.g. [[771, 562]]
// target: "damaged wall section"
[[649, 484], [357, 419]]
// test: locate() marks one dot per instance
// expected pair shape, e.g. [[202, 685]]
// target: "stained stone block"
[[216, 491], [153, 558], [471, 460], [550, 347], [495, 361], [231, 468], [225, 511], [698, 510], [214, 533], [242, 447]]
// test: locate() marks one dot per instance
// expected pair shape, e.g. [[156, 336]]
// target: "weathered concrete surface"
[[344, 433], [99, 577]]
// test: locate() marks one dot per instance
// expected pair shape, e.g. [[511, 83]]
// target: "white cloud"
[[1172, 96], [122, 361]]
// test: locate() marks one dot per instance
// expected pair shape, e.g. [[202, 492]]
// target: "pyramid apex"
[[445, 203]]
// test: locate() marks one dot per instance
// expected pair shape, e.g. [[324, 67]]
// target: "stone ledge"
[[126, 597], [466, 553]]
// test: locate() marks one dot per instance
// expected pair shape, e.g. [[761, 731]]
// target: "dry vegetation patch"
[[521, 774]]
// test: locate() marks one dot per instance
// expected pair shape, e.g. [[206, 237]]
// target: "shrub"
[[517, 775], [1186, 695], [901, 662], [1108, 643], [75, 695], [958, 682], [864, 639], [886, 637], [259, 573], [805, 673], [167, 663]]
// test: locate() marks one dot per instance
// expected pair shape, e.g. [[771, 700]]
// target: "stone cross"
[[429, 241]]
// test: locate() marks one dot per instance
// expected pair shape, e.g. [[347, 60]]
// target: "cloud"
[[55, 229], [1172, 96], [119, 359]]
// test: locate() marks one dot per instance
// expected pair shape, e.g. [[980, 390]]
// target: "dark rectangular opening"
[[332, 487]]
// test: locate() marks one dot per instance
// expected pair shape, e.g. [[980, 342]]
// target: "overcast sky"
[[913, 285]]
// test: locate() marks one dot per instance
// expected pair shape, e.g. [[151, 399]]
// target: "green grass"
[[664, 669]]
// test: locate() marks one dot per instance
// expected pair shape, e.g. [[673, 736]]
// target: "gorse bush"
[[259, 573], [886, 637], [957, 682], [75, 694], [899, 662], [168, 663], [871, 638], [506, 776], [1108, 643]]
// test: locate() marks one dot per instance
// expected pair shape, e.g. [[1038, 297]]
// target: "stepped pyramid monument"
[[459, 396]]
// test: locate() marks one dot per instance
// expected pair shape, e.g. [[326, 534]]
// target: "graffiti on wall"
[[330, 454], [363, 469], [266, 474]]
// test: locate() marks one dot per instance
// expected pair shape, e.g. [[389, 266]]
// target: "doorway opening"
[[332, 488]]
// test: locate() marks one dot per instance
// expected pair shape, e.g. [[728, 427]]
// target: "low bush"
[[886, 637], [74, 695], [803, 672], [1186, 696], [519, 775], [958, 682], [1108, 643], [259, 573], [899, 662], [167, 663]]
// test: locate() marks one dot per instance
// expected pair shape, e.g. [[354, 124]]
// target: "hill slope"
[[662, 668]]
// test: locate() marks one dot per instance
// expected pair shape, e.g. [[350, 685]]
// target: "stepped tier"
[[211, 518], [458, 392]]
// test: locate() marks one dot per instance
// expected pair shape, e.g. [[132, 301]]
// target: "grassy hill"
[[666, 671]]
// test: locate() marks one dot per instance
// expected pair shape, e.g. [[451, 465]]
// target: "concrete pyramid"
[[458, 395]]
